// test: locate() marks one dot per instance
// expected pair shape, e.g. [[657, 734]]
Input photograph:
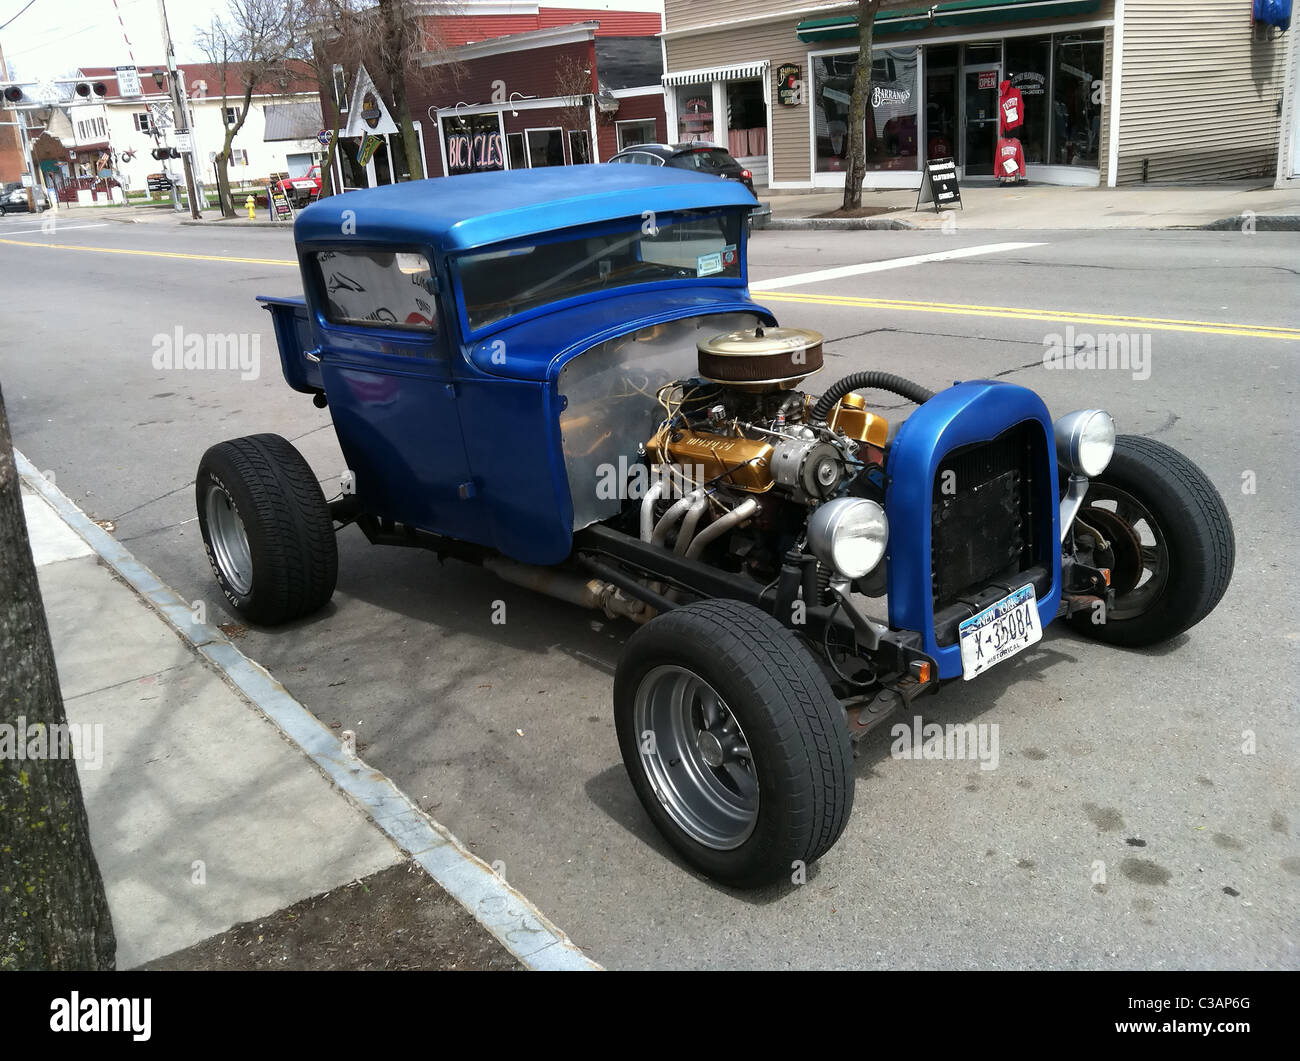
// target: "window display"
[[1077, 99], [695, 113], [892, 109]]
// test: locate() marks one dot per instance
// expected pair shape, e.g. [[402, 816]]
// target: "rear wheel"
[[267, 529], [1165, 534], [733, 741]]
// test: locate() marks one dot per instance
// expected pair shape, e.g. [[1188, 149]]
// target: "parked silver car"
[[14, 197]]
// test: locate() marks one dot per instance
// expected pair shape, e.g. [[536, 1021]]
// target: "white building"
[[118, 132]]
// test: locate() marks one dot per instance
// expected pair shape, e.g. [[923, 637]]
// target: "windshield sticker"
[[730, 255], [708, 264]]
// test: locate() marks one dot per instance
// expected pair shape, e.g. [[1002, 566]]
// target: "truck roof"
[[478, 209]]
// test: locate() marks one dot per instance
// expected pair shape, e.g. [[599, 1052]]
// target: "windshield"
[[505, 283]]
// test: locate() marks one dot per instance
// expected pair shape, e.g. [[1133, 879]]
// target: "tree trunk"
[[53, 913], [857, 131], [409, 141], [223, 180], [327, 166]]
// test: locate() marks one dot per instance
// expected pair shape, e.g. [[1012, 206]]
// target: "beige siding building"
[[1108, 91]]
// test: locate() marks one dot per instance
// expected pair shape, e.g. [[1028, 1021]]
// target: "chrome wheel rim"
[[1154, 549], [229, 541], [696, 757]]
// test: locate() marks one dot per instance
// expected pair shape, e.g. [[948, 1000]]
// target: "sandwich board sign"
[[939, 185]]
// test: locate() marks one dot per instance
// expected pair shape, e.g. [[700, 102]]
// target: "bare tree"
[[324, 33], [573, 86], [408, 55], [53, 911], [249, 45], [857, 150]]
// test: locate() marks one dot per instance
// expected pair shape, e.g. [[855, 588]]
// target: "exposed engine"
[[741, 447]]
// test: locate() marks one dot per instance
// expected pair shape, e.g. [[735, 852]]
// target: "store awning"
[[956, 13], [736, 72]]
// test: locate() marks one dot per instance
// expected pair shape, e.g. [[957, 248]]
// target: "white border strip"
[[516, 923]]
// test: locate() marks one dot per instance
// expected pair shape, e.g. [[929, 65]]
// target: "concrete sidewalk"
[[215, 798], [1032, 207]]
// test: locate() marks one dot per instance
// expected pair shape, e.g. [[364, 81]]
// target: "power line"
[[25, 7]]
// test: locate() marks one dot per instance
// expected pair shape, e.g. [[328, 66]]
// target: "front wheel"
[[733, 741], [267, 529], [1164, 532]]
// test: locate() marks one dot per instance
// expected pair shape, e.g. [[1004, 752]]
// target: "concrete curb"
[[1263, 223], [834, 224], [231, 222], [516, 923]]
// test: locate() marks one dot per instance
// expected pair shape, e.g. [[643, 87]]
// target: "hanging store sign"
[[367, 149], [789, 81], [987, 79]]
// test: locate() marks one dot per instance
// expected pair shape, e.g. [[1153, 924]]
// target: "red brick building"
[[554, 87]]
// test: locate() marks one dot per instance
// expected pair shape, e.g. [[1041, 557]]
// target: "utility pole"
[[21, 123], [182, 117]]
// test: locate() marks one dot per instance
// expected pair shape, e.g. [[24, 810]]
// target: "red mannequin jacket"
[[1010, 162], [1011, 107]]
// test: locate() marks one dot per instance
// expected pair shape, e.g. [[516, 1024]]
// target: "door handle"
[[312, 355]]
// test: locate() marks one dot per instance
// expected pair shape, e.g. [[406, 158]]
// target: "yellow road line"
[[1253, 331], [151, 254]]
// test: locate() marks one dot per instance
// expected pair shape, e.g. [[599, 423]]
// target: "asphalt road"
[[1127, 764]]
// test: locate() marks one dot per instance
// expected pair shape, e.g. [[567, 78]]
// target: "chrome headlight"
[[849, 535], [1085, 441]]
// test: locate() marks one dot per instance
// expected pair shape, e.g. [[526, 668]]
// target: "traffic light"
[[86, 88], [161, 153], [13, 93]]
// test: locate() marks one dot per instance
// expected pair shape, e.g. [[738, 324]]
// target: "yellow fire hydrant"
[[251, 205]]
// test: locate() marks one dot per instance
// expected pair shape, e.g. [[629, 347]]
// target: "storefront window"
[[892, 109], [579, 146], [1077, 99], [1028, 68], [635, 131], [474, 143], [545, 147], [746, 119], [695, 113]]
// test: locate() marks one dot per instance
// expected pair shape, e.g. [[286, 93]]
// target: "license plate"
[[999, 632]]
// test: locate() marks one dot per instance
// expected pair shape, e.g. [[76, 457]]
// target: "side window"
[[382, 289]]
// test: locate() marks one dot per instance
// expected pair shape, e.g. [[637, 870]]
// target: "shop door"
[[980, 128]]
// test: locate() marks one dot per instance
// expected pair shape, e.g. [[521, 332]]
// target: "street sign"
[[939, 184], [324, 136], [184, 142], [158, 182], [128, 81]]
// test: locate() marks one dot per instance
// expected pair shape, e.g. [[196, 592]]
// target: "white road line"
[[821, 275], [53, 232]]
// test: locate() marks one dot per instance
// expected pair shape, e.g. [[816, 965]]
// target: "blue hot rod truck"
[[560, 375]]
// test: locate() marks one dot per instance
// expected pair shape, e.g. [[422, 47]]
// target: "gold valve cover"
[[704, 457]]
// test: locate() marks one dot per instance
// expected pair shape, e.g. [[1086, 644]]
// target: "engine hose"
[[885, 381]]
